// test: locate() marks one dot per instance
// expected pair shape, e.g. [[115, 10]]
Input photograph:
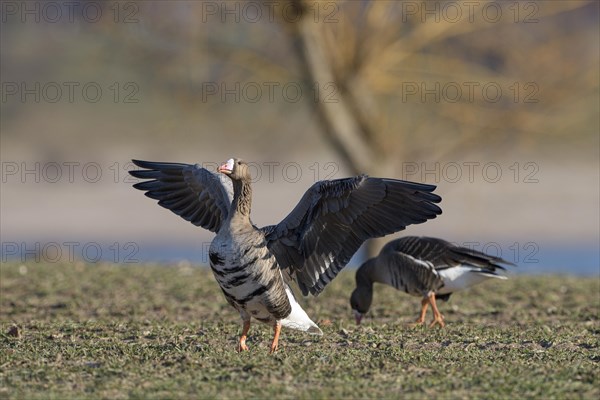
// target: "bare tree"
[[363, 51]]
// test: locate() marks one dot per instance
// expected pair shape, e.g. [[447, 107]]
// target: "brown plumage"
[[310, 246]]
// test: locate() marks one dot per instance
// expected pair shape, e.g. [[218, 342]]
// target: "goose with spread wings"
[[310, 246], [427, 267]]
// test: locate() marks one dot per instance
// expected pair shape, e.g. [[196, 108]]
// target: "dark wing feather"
[[190, 191], [408, 273], [333, 218], [443, 254]]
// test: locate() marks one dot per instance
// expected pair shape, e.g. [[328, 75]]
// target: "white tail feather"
[[298, 319], [463, 276]]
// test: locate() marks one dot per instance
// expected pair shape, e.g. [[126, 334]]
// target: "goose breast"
[[248, 275]]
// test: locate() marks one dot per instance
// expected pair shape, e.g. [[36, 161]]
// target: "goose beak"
[[357, 316], [227, 167]]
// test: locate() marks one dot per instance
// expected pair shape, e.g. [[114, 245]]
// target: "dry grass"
[[101, 331]]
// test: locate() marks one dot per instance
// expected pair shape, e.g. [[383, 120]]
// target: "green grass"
[[102, 331]]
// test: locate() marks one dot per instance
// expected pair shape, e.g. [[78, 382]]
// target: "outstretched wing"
[[333, 218], [190, 191]]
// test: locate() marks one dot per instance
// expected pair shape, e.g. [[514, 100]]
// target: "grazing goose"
[[423, 266], [310, 246]]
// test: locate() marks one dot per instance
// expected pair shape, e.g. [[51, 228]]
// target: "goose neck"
[[365, 276], [242, 199]]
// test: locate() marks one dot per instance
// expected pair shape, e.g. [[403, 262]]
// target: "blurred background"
[[494, 102]]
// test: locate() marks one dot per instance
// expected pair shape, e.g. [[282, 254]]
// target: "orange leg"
[[438, 318], [245, 329], [421, 319], [277, 329]]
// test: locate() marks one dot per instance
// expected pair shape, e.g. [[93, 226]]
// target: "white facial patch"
[[229, 164]]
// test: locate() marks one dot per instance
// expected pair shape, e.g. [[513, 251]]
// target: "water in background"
[[544, 258]]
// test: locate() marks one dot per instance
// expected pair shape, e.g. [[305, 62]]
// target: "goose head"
[[360, 301], [236, 169]]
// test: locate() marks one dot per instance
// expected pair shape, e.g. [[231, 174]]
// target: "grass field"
[[102, 331]]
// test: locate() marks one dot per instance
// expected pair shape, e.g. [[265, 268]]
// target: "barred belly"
[[254, 291]]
